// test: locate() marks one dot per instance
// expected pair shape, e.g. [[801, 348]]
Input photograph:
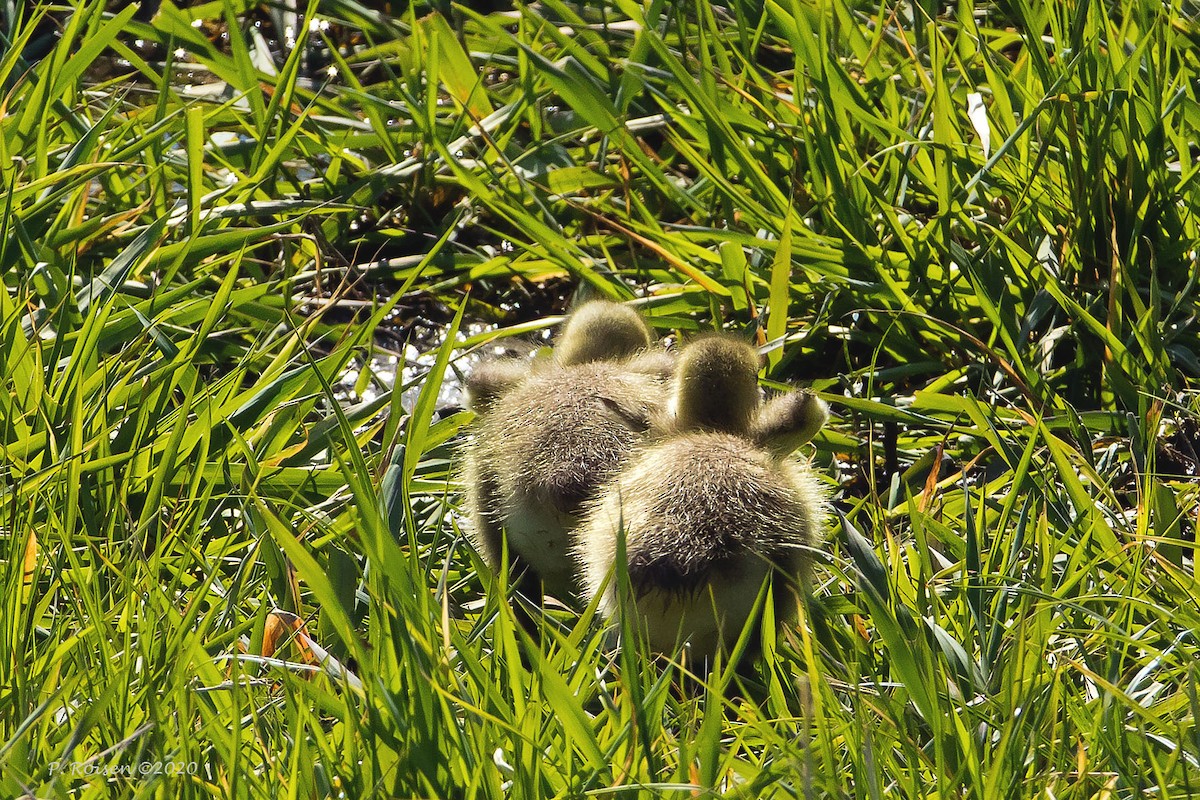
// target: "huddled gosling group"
[[612, 446]]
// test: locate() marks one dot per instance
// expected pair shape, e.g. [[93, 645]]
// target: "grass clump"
[[213, 245]]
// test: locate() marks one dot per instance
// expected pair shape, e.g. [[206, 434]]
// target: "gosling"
[[548, 436], [710, 509]]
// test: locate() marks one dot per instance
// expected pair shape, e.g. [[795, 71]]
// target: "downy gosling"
[[711, 508], [549, 435]]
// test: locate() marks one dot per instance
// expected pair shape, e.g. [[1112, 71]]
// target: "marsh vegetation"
[[229, 526]]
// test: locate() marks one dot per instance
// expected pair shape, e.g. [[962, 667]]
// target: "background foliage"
[[229, 229]]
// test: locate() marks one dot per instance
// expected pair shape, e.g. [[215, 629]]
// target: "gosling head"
[[787, 421], [601, 331], [716, 386]]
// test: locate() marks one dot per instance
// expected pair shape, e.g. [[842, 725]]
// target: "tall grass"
[[231, 560]]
